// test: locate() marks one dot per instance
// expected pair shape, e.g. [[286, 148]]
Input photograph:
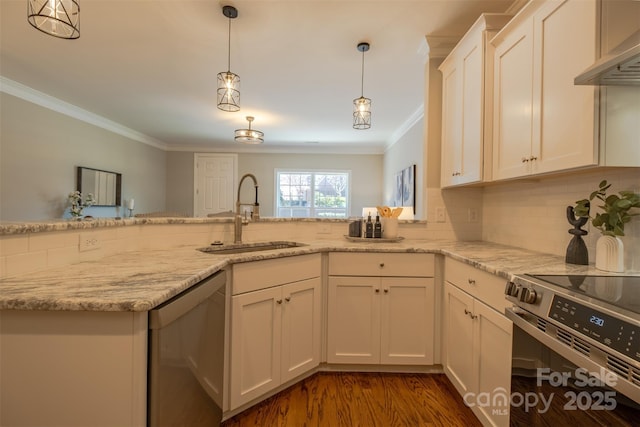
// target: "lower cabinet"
[[375, 320], [275, 336], [477, 354], [380, 318]]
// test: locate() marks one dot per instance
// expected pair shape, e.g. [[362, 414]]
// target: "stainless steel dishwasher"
[[186, 357]]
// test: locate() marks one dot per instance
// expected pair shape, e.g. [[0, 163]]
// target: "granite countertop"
[[139, 281]]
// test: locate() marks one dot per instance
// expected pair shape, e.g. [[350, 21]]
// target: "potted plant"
[[78, 203], [618, 210]]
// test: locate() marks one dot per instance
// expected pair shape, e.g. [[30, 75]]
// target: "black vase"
[[577, 250]]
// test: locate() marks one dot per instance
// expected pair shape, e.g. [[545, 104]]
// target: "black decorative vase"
[[577, 250]]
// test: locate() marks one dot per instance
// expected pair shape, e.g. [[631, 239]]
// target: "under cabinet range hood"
[[620, 67]]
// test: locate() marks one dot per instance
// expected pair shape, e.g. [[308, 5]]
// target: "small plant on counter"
[[616, 209], [78, 204]]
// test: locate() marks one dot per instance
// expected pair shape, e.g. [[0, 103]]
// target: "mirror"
[[106, 186]]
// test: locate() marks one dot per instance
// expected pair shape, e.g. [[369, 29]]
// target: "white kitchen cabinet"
[[477, 340], [275, 332], [542, 122], [376, 317], [467, 82]]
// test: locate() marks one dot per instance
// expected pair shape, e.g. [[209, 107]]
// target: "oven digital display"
[[610, 331], [597, 320]]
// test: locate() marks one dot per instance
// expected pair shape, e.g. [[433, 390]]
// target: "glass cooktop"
[[620, 291]]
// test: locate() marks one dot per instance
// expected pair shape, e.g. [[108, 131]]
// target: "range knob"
[[511, 289], [528, 295]]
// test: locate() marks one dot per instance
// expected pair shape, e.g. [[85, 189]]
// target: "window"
[[315, 194]]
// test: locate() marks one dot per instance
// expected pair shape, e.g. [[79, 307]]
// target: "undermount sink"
[[238, 248]]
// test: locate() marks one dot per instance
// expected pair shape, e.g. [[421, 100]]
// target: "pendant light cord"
[[362, 79], [229, 48]]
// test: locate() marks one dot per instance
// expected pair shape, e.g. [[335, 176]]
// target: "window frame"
[[312, 211]]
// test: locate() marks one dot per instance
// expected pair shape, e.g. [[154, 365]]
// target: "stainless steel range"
[[577, 338]]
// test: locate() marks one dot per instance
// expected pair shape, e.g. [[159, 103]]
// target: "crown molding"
[[406, 126], [26, 93]]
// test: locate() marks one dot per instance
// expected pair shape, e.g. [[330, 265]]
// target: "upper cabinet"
[[467, 79], [542, 121]]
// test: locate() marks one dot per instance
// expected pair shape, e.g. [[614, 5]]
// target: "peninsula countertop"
[[141, 280]]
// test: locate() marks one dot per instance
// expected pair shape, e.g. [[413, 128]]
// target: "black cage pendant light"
[[362, 105], [249, 136], [58, 18], [228, 82]]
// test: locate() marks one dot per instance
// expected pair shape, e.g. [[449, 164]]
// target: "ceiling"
[[150, 66]]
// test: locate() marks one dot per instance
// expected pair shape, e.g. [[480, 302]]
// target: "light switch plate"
[[441, 214]]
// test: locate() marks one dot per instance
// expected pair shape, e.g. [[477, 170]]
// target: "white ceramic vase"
[[610, 254]]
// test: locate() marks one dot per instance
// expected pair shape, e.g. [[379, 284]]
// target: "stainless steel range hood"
[[620, 67]]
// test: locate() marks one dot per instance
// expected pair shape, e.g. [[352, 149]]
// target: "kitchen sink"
[[239, 248]]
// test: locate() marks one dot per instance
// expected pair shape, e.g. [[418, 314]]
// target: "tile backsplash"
[[532, 213]]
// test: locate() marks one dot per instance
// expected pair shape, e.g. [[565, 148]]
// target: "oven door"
[[552, 384]]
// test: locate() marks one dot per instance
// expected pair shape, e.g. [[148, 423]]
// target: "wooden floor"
[[362, 399]]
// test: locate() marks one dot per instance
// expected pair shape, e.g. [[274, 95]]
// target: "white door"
[[215, 176]]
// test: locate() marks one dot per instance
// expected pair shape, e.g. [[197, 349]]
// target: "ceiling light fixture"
[[228, 82], [362, 105], [58, 18], [249, 136]]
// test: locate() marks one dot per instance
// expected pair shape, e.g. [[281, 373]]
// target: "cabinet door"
[[255, 344], [407, 321], [492, 345], [353, 324], [300, 328], [451, 122], [513, 81], [458, 337], [564, 122], [472, 89]]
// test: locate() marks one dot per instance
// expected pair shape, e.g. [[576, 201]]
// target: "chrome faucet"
[[255, 215]]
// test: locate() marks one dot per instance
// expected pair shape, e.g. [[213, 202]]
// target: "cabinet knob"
[[471, 281], [279, 301], [377, 291], [532, 158], [382, 265], [467, 311], [386, 291], [287, 299], [525, 160]]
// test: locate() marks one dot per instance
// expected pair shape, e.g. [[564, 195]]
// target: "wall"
[[39, 152], [407, 151], [366, 177], [532, 213]]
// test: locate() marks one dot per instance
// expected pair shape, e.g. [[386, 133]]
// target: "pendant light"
[[228, 82], [249, 136], [362, 105], [58, 18]]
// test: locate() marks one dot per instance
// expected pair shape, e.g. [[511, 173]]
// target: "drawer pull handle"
[[471, 281], [466, 311], [279, 301], [382, 265], [470, 314], [287, 299]]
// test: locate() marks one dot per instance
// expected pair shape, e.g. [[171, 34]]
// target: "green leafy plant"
[[616, 209]]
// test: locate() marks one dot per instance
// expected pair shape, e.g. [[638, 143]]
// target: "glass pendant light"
[[228, 82], [362, 105], [249, 136], [58, 18]]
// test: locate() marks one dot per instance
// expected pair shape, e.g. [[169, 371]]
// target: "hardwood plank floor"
[[348, 399]]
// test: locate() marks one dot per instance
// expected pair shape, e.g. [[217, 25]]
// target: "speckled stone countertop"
[[139, 281]]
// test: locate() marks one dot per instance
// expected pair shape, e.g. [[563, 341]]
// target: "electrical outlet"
[[473, 215], [324, 229], [89, 242], [441, 214]]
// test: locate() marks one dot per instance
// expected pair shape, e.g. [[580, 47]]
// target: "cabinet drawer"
[[484, 286], [251, 276], [381, 264]]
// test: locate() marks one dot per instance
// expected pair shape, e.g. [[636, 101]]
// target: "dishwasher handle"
[[181, 304]]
